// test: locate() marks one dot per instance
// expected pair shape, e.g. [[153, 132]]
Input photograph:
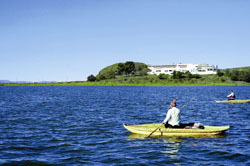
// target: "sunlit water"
[[83, 126]]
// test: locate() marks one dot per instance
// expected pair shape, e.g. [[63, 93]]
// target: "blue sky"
[[67, 40]]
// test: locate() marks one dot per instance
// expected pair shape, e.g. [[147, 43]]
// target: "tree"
[[91, 78], [197, 76], [121, 69], [174, 75], [228, 73], [162, 76], [247, 76], [129, 67], [144, 71], [219, 73], [141, 69], [189, 76], [179, 75], [234, 75]]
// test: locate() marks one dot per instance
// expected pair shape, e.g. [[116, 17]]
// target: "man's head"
[[173, 104], [174, 101]]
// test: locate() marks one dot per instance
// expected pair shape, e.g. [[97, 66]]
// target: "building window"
[[158, 70]]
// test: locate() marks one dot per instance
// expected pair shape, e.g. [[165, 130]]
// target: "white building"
[[192, 68]]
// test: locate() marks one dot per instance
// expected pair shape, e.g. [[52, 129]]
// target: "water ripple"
[[83, 126]]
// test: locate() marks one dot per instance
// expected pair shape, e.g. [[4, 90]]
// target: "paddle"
[[187, 103], [163, 123]]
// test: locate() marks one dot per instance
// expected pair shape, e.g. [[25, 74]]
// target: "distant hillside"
[[23, 82], [5, 81], [8, 82], [247, 68]]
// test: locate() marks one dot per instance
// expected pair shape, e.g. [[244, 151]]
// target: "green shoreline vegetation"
[[135, 74], [115, 84]]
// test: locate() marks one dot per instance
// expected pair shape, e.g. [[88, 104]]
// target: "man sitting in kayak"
[[231, 96], [172, 117]]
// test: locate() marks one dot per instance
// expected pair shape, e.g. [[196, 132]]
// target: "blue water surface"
[[84, 126]]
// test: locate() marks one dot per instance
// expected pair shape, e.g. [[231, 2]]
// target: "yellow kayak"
[[146, 129], [232, 101]]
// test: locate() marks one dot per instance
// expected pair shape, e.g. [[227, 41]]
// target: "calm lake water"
[[83, 126]]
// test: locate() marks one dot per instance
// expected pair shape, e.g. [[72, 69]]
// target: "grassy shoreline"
[[123, 84], [150, 80]]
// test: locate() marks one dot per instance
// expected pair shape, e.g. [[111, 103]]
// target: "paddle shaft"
[[187, 103], [155, 130], [163, 123]]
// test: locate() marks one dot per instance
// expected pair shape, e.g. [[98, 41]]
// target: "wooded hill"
[[121, 69]]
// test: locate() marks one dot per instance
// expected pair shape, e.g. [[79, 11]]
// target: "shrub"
[[91, 78]]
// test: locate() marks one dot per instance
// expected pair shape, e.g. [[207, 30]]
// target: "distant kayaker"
[[173, 116], [231, 96]]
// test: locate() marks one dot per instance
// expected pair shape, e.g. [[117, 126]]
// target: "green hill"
[[122, 69]]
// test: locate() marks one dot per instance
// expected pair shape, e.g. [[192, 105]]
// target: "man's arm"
[[167, 117]]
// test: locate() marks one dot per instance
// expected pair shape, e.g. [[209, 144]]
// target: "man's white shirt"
[[173, 117], [231, 94]]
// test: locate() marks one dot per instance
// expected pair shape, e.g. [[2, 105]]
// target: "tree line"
[[177, 75], [235, 75]]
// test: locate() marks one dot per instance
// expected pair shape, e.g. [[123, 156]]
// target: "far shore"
[[123, 84]]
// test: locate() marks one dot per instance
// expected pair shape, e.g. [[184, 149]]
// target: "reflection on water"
[[141, 136], [172, 145]]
